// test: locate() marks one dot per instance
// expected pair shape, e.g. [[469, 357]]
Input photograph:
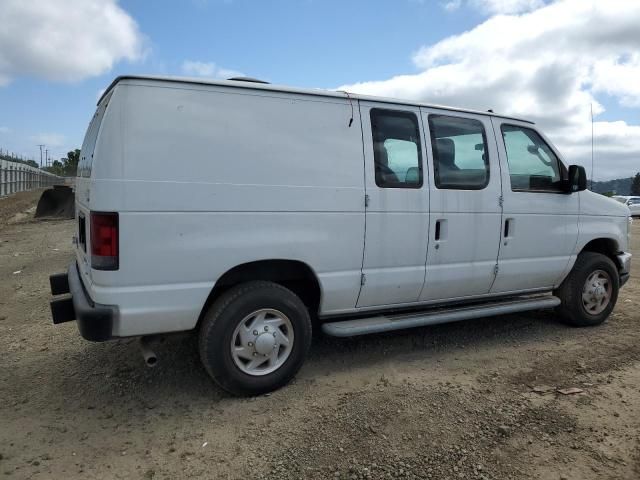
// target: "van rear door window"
[[90, 138]]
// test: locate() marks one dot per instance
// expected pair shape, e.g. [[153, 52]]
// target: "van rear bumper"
[[95, 321]]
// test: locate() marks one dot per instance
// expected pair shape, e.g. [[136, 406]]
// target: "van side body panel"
[[213, 177]]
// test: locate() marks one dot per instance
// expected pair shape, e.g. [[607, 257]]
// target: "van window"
[[396, 149], [533, 167], [460, 153], [90, 138]]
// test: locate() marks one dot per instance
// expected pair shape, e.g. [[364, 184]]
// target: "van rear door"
[[83, 188]]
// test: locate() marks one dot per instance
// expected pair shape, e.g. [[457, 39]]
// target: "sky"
[[550, 61]]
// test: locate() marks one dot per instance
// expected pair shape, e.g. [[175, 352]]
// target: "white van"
[[251, 212]]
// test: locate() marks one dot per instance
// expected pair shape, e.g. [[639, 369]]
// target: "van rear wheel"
[[255, 338], [590, 292]]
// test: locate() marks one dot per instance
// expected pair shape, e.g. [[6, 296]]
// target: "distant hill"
[[621, 186]]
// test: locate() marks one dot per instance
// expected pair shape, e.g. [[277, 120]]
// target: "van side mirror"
[[577, 179]]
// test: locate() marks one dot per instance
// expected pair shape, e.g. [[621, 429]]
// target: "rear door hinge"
[[366, 200], [501, 200], [496, 269], [363, 279]]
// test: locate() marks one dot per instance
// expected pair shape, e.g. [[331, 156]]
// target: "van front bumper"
[[95, 321], [624, 265]]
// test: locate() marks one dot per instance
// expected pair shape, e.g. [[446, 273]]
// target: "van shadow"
[[443, 341], [113, 374]]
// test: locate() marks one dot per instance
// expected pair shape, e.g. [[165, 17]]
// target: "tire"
[[228, 328], [578, 312]]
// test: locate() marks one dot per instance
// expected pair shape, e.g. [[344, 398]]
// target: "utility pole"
[[41, 154], [46, 157]]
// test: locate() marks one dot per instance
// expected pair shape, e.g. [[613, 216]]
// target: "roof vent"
[[247, 79]]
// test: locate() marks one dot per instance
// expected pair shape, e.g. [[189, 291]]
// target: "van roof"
[[252, 85]]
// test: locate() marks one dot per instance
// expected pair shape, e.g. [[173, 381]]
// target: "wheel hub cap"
[[265, 343], [597, 291], [262, 342]]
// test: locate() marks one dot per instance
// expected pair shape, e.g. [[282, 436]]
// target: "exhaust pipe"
[[150, 358]]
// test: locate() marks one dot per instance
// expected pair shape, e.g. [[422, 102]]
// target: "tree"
[[635, 185], [57, 168], [71, 163], [66, 167]]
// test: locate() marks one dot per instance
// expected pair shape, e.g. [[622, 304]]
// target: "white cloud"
[[619, 77], [207, 69], [51, 140], [548, 65], [65, 40], [452, 5], [5, 130], [507, 6], [493, 7]]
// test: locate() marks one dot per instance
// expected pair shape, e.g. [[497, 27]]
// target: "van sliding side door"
[[465, 210], [397, 205]]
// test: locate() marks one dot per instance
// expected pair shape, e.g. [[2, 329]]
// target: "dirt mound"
[[17, 203], [57, 202]]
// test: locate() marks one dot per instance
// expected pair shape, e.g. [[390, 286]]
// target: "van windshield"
[[90, 138]]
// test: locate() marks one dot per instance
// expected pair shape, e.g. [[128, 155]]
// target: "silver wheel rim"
[[596, 293], [262, 342]]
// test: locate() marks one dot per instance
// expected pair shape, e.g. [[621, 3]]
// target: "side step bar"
[[386, 323]]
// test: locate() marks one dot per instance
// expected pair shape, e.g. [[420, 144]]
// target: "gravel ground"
[[473, 400]]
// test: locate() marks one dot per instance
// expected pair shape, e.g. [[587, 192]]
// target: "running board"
[[386, 323]]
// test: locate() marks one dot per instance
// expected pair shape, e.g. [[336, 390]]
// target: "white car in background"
[[633, 202], [634, 206]]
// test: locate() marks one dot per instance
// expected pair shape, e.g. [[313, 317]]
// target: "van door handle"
[[440, 231], [508, 230]]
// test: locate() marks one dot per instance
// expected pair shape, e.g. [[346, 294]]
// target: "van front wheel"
[[590, 291], [255, 338]]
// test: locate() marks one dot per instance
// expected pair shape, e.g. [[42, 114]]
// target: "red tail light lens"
[[104, 240]]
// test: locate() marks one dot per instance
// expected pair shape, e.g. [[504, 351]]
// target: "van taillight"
[[104, 240]]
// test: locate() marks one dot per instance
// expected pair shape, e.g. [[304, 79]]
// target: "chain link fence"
[[17, 177]]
